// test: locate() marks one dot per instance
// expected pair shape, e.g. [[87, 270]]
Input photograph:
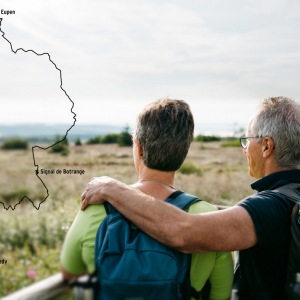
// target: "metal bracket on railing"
[[84, 287]]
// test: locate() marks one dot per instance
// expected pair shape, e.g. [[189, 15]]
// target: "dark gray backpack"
[[291, 193], [246, 258]]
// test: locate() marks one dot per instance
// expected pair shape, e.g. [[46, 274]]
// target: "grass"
[[32, 239], [189, 168], [14, 195], [235, 143], [44, 264]]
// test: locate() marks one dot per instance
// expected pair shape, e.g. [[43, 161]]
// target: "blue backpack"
[[130, 265]]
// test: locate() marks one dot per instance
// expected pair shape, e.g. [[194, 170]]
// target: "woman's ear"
[[139, 148]]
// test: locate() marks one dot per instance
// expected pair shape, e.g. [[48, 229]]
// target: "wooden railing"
[[54, 288]]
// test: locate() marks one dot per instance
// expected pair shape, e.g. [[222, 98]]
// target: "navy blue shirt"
[[271, 215]]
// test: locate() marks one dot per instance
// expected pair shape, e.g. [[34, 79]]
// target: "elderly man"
[[259, 225]]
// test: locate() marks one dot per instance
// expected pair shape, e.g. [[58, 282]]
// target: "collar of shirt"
[[276, 180]]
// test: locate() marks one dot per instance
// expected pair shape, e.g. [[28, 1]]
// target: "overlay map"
[[36, 147]]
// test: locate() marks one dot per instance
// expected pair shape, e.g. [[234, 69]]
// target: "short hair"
[[279, 118], [165, 130]]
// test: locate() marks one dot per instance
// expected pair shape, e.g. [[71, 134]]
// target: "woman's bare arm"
[[68, 276], [227, 230]]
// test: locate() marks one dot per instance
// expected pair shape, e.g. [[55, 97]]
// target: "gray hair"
[[165, 130], [279, 119]]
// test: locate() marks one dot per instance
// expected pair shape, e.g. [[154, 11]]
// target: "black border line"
[[74, 117]]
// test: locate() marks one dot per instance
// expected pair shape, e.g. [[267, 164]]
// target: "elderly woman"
[[161, 140]]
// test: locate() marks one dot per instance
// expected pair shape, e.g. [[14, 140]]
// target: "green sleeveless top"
[[77, 255]]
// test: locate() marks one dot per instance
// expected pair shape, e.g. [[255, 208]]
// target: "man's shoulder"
[[270, 214], [265, 199]]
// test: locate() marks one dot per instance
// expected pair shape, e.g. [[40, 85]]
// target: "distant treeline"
[[107, 139], [122, 139], [14, 143], [206, 138], [227, 141]]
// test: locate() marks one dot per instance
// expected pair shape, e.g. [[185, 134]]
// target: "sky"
[[222, 57]]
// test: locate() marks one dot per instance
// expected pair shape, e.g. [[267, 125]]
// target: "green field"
[[31, 239]]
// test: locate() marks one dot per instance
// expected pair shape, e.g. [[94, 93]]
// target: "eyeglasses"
[[244, 140]]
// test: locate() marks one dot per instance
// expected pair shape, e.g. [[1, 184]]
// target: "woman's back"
[[78, 252]]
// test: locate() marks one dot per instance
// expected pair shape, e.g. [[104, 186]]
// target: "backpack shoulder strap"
[[289, 191], [183, 201], [109, 208]]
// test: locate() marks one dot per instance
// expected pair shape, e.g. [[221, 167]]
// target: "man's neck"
[[159, 189], [273, 168]]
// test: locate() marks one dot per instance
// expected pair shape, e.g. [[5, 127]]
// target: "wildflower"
[[31, 273]]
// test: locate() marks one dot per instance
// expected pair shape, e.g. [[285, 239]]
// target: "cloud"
[[139, 50]]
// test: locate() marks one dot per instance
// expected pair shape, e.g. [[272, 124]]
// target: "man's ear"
[[139, 148], [267, 146]]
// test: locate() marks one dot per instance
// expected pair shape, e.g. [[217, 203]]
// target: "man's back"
[[271, 217]]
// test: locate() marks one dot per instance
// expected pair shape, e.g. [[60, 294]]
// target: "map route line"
[[74, 117]]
